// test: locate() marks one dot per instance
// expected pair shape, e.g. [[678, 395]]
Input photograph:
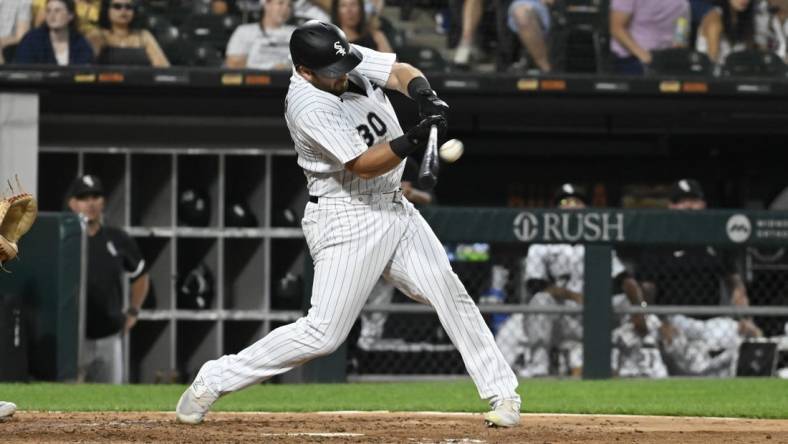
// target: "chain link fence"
[[695, 321]]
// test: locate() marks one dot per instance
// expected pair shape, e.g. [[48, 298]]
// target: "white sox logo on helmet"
[[340, 49]]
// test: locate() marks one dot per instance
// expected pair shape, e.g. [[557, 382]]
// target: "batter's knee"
[[321, 338]]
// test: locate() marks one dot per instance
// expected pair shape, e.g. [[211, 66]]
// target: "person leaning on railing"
[[112, 256], [686, 275], [57, 41], [120, 39]]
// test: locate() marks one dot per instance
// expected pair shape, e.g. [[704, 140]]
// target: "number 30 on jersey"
[[376, 124]]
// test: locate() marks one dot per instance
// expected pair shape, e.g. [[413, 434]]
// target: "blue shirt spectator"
[[57, 42]]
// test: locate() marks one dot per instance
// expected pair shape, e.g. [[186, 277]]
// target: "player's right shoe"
[[195, 402], [7, 409], [506, 414]]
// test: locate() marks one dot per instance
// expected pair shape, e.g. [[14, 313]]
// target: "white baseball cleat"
[[7, 409], [506, 414], [195, 402]]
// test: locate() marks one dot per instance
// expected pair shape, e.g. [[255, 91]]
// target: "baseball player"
[[7, 410], [554, 274], [636, 354], [694, 347], [357, 225], [112, 256]]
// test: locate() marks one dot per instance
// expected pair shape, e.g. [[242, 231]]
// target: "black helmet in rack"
[[323, 48], [194, 208], [196, 289]]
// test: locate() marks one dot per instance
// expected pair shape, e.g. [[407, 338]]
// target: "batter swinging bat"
[[428, 173]]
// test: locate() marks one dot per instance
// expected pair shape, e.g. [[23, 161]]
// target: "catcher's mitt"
[[17, 214]]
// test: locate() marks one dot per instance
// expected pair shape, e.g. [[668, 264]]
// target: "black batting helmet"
[[323, 48]]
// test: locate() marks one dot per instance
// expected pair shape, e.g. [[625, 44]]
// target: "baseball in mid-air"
[[451, 150]]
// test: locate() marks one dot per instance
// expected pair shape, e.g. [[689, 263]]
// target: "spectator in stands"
[[530, 20], [112, 255], [471, 17], [14, 24], [264, 45], [222, 7], [87, 14], [554, 275], [772, 27], [639, 27], [727, 28], [698, 11], [312, 10], [57, 41], [351, 17], [120, 39]]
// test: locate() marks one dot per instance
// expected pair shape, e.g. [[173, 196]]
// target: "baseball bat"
[[428, 173]]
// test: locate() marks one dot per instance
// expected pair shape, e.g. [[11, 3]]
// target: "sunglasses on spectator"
[[119, 6]]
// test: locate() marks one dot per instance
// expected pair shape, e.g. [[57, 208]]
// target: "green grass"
[[753, 398]]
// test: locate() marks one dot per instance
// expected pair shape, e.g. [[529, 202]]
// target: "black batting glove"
[[417, 137], [419, 134], [430, 104], [427, 99]]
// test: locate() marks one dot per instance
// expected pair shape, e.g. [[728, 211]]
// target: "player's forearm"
[[377, 160], [419, 197], [738, 290], [619, 30], [401, 76], [139, 291], [564, 294], [632, 290]]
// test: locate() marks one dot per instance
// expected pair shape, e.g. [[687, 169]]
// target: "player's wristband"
[[134, 312], [402, 146], [417, 85]]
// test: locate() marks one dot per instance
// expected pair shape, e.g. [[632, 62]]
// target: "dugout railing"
[[601, 231]]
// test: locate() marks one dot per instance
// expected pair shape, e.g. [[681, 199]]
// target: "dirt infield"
[[382, 427]]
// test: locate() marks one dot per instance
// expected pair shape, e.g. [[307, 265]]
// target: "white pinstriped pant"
[[353, 243]]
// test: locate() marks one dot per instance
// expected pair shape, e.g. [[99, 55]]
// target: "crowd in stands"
[[623, 36]]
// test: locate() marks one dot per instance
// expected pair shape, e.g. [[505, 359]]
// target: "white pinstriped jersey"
[[328, 131], [562, 264]]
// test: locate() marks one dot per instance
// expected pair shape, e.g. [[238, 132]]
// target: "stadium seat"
[[423, 57], [395, 36], [680, 61], [210, 29], [173, 10], [753, 63], [167, 34], [9, 52], [179, 51], [206, 55], [156, 24]]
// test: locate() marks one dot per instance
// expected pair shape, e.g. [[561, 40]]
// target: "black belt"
[[313, 199]]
